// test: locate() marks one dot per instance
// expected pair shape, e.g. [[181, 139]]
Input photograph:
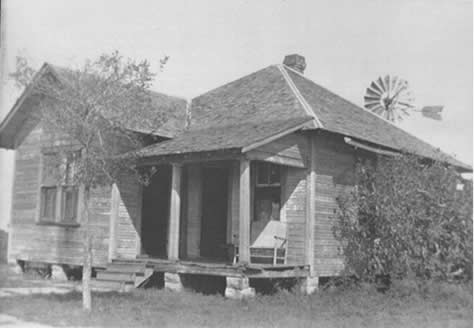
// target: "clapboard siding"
[[295, 213], [52, 244], [128, 223], [335, 163]]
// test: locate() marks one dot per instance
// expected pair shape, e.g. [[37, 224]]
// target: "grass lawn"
[[403, 306]]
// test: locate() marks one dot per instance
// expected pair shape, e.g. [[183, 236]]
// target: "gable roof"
[[166, 117]]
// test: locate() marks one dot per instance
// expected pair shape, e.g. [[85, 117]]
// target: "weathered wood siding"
[[128, 221], [335, 163], [294, 206], [52, 244]]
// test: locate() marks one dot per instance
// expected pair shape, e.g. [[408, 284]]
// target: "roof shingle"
[[341, 116]]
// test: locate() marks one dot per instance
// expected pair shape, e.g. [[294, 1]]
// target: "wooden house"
[[247, 176]]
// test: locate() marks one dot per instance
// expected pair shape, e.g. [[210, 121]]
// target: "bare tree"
[[93, 107]]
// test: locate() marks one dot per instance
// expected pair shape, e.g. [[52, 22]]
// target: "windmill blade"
[[380, 83], [399, 86], [378, 110], [404, 110], [372, 106], [368, 99], [406, 104], [374, 86], [372, 93]]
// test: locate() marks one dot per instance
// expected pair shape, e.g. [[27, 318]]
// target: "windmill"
[[391, 98]]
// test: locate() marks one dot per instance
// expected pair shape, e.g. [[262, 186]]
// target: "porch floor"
[[207, 267]]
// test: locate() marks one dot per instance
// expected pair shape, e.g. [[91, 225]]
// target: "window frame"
[[268, 166], [59, 198], [276, 186]]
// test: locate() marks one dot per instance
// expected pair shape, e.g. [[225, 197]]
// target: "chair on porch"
[[270, 247]]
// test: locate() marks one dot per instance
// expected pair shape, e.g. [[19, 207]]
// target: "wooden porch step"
[[105, 285], [132, 273], [116, 276], [125, 267]]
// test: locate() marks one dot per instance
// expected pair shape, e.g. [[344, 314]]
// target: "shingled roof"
[[274, 100], [338, 115], [266, 98], [224, 137]]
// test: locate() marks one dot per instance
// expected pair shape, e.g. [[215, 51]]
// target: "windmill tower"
[[391, 98]]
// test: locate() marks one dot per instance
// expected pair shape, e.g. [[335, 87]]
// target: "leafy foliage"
[[85, 115], [406, 218], [90, 108]]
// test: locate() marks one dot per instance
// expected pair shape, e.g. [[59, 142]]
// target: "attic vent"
[[296, 62]]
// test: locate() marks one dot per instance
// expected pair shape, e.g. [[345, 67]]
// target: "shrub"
[[406, 218]]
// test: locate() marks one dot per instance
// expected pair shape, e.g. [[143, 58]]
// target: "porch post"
[[175, 204], [244, 212]]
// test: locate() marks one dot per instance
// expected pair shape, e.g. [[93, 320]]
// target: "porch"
[[222, 217], [228, 212]]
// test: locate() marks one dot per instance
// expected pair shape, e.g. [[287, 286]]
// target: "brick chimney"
[[296, 62]]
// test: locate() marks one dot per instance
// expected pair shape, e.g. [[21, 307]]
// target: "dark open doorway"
[[155, 213], [214, 212]]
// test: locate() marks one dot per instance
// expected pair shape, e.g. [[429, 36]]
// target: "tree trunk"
[[87, 264]]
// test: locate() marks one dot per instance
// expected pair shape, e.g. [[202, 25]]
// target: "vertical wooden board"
[[175, 205], [235, 194], [114, 208], [310, 207], [244, 212], [194, 210]]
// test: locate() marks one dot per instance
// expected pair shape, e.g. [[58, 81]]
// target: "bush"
[[406, 218]]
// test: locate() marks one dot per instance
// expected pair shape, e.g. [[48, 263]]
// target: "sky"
[[347, 44]]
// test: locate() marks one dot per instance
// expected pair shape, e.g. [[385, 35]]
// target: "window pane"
[[262, 174], [274, 174], [51, 169], [70, 167], [69, 203], [48, 203]]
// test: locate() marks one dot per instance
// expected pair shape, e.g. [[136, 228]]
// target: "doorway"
[[155, 213], [214, 212]]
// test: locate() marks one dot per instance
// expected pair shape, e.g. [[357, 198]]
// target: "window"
[[266, 197], [268, 175], [59, 191], [48, 203], [267, 192]]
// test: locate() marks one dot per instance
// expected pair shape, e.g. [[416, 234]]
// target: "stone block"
[[237, 282], [239, 294], [310, 285], [173, 282], [238, 288], [58, 273]]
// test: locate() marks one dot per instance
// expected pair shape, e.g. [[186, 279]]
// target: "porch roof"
[[224, 138]]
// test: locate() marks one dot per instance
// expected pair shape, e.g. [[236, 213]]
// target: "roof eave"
[[12, 143]]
